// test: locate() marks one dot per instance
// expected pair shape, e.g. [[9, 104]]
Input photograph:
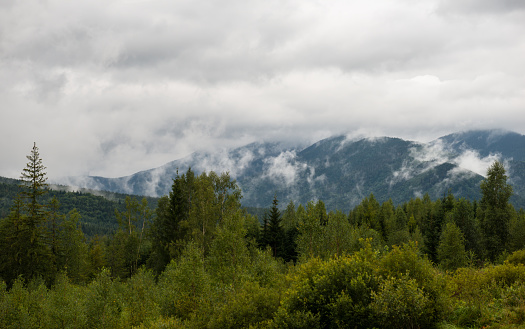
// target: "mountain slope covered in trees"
[[342, 171]]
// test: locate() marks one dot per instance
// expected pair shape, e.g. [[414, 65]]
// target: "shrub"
[[333, 293], [400, 303], [517, 257]]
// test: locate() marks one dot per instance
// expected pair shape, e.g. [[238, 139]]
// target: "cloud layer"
[[113, 88]]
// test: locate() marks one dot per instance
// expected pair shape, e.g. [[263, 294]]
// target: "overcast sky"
[[114, 87]]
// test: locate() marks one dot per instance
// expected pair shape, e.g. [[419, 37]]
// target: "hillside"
[[97, 211], [342, 171]]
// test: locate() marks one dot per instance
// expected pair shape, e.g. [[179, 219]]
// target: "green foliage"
[[401, 303], [66, 305], [334, 292], [229, 257], [194, 209], [105, 306], [310, 238], [517, 257], [24, 235], [362, 271], [451, 249], [250, 305], [185, 285], [406, 261], [517, 231], [141, 297], [273, 234], [495, 210]]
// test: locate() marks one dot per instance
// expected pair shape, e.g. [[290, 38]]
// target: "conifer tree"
[[273, 235], [34, 187], [24, 248]]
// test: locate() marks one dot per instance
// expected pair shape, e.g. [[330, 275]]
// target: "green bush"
[[405, 263], [250, 305], [333, 293], [400, 303], [105, 305], [517, 257]]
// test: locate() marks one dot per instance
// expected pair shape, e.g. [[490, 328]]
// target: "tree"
[[451, 249], [73, 251], [290, 225], [195, 207], [273, 232], [495, 210], [464, 219], [23, 234], [132, 223], [338, 234], [311, 233], [229, 257], [34, 187]]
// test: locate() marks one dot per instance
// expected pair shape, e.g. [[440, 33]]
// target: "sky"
[[111, 88]]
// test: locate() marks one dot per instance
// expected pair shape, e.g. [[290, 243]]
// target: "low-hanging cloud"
[[284, 169], [430, 155]]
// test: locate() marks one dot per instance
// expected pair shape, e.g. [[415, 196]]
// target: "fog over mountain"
[[341, 170]]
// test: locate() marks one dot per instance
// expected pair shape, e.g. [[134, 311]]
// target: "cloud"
[[430, 155], [284, 169], [472, 161], [114, 88]]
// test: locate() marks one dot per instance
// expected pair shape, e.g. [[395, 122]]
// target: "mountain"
[[510, 145], [342, 171]]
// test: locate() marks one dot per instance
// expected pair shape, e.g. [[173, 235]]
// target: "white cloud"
[[114, 88], [284, 169], [472, 161]]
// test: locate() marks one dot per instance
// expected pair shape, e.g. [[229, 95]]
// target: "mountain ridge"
[[342, 171]]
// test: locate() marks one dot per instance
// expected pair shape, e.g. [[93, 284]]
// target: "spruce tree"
[[25, 249], [34, 186], [273, 232]]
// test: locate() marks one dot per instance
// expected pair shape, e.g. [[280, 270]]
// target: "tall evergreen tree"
[[24, 248], [464, 219], [273, 235], [34, 187], [495, 208]]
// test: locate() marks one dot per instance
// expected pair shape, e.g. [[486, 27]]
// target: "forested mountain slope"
[[342, 171], [97, 211]]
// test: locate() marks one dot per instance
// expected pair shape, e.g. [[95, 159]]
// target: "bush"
[[333, 293], [400, 303], [405, 263], [517, 257]]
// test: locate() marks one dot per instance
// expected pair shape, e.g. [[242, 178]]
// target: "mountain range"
[[341, 171]]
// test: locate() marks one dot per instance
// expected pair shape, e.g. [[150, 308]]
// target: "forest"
[[197, 259]]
